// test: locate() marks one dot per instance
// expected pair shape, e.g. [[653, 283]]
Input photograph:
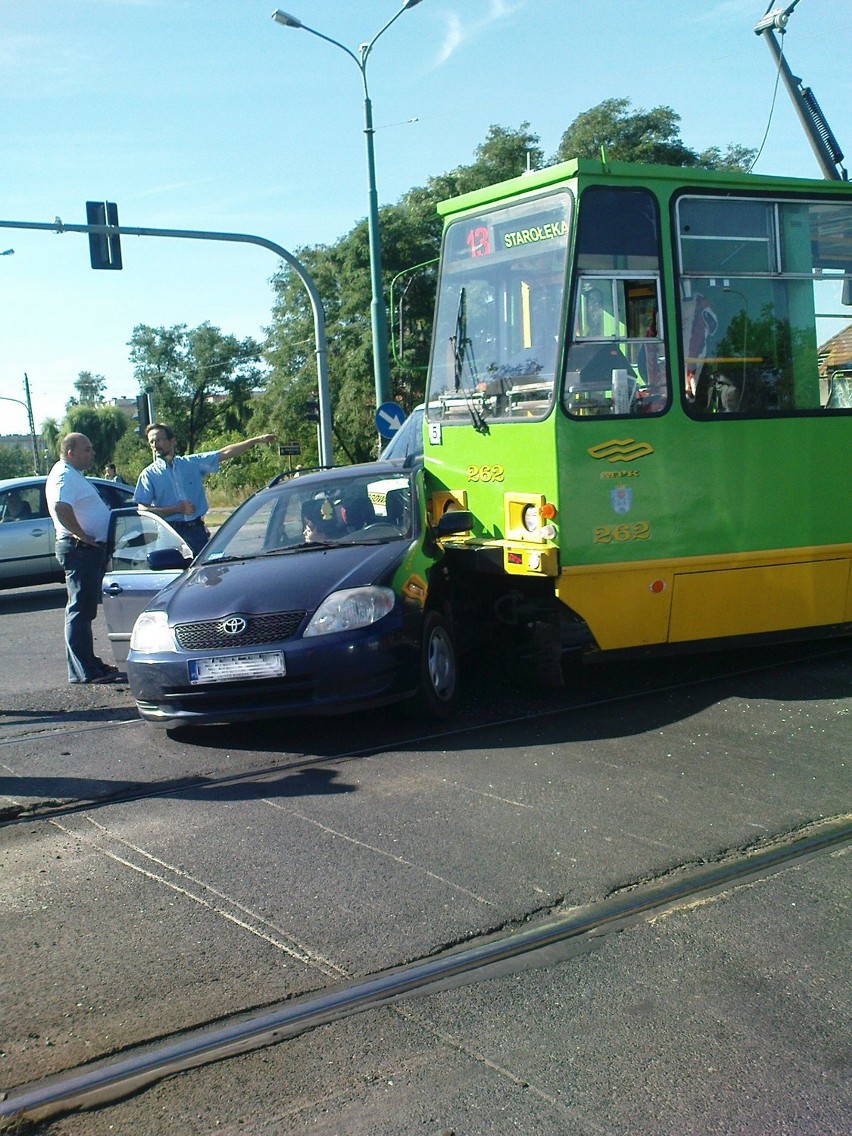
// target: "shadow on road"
[[46, 598], [606, 700], [53, 792]]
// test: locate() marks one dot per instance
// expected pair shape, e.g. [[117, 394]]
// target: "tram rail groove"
[[109, 1079], [45, 810]]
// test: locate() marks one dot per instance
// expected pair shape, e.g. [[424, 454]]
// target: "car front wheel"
[[439, 677]]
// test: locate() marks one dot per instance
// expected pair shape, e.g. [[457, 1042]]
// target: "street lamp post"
[[378, 317]]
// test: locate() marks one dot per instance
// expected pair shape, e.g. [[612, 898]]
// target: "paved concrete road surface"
[[154, 884]]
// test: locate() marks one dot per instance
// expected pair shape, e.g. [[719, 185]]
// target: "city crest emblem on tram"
[[621, 499]]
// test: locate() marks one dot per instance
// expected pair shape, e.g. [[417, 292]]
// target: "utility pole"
[[36, 462], [29, 409]]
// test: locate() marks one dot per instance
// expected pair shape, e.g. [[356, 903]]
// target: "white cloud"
[[460, 30]]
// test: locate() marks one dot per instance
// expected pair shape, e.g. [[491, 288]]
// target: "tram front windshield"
[[497, 328]]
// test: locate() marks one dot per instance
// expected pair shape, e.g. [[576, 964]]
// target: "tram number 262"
[[606, 534]]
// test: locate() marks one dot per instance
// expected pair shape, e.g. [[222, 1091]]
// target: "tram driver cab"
[[614, 361]]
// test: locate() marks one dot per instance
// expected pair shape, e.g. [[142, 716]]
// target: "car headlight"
[[350, 608], [152, 634]]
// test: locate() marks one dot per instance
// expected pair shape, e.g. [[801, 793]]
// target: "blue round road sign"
[[389, 417]]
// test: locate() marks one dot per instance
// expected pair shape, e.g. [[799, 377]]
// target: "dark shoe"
[[110, 676]]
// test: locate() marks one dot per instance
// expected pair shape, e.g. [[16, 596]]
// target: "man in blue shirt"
[[172, 486]]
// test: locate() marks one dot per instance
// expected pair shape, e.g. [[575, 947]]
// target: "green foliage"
[[644, 136], [737, 158], [130, 456], [90, 390], [50, 435], [202, 380], [239, 477], [651, 136], [103, 425], [15, 461]]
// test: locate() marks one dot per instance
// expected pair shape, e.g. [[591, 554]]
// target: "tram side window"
[[761, 290], [616, 360]]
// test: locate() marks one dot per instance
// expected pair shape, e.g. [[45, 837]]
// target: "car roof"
[[374, 469], [39, 478]]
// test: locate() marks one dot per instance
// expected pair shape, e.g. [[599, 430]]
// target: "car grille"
[[271, 627]]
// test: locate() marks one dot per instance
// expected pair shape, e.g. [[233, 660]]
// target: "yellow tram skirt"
[[710, 597]]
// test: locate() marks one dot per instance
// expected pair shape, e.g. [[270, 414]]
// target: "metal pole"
[[31, 422], [378, 317], [818, 134], [324, 398], [28, 407], [378, 314]]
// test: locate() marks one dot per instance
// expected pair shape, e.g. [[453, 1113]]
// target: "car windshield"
[[316, 512]]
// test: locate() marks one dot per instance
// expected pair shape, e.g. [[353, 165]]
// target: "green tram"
[[625, 400]]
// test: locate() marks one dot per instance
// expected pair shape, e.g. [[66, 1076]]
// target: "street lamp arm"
[[288, 21], [367, 48]]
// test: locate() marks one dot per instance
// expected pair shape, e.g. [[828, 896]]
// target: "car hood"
[[294, 581]]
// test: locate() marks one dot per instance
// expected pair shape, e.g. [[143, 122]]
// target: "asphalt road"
[[155, 883]]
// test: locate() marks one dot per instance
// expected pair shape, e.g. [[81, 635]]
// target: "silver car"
[[26, 530]]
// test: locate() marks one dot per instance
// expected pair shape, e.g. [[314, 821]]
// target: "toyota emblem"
[[234, 625]]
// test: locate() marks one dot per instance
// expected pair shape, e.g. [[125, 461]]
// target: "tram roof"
[[589, 170]]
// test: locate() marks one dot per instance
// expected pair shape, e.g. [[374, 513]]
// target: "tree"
[[90, 390], [50, 434], [651, 136], [131, 455], [202, 380], [102, 425], [15, 461], [736, 157]]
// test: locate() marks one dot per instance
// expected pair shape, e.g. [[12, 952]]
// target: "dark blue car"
[[314, 597]]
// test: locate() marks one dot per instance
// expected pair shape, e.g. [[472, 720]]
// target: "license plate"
[[265, 664]]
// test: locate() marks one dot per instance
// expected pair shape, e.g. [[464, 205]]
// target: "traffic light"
[[144, 412], [104, 251], [312, 413]]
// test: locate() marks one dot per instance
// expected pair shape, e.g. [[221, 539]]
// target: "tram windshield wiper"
[[463, 353]]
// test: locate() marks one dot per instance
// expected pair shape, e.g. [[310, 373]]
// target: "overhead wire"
[[772, 105]]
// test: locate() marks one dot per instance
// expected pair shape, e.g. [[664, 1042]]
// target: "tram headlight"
[[530, 518]]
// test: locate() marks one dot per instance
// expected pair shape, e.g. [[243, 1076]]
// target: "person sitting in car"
[[320, 522], [17, 509]]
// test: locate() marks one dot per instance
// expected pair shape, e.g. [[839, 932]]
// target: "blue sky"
[[204, 114]]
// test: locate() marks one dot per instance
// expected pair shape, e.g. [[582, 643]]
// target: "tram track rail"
[[554, 937], [47, 809]]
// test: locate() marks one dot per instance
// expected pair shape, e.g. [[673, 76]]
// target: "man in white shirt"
[[81, 521]]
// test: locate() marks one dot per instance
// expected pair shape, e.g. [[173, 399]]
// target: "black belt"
[[75, 542], [189, 524]]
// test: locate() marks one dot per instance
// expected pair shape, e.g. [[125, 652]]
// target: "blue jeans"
[[84, 566], [196, 536]]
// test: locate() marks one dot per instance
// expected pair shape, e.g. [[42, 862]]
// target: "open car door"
[[131, 582]]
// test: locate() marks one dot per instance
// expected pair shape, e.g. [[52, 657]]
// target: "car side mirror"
[[454, 521], [167, 559]]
